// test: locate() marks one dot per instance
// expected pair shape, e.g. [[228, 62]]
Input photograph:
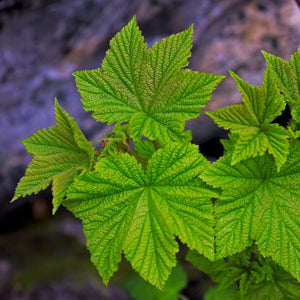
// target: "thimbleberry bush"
[[148, 185]]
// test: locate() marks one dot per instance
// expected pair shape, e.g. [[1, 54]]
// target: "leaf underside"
[[124, 208], [60, 153], [147, 88]]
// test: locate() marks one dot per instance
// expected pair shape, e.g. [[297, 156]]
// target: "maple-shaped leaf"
[[287, 75], [258, 203], [147, 88], [251, 121], [123, 207], [60, 153]]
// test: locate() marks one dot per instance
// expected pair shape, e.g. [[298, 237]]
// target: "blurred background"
[[41, 43]]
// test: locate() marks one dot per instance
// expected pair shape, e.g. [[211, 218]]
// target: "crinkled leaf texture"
[[123, 207], [114, 143], [147, 88], [258, 203], [60, 153], [257, 277], [251, 121], [279, 285], [287, 75]]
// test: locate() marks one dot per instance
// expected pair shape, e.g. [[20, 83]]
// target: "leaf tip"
[[15, 197], [191, 29], [54, 209], [233, 75]]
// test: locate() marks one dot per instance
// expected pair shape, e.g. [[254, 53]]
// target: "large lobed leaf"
[[123, 207], [147, 88], [258, 203], [287, 75], [251, 121], [60, 153]]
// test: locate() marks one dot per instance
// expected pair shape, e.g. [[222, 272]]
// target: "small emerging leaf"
[[114, 143]]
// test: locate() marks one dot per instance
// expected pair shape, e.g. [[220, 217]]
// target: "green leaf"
[[114, 143], [251, 121], [274, 284], [258, 203], [123, 207], [147, 88], [226, 272], [257, 277], [214, 293], [141, 290], [144, 148], [217, 270], [60, 153], [287, 75]]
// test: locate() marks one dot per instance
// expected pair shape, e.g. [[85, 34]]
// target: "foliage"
[[141, 290], [257, 277], [148, 184]]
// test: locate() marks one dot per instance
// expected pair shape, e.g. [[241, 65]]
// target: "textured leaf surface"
[[147, 88], [251, 121], [288, 77], [257, 277], [144, 148], [59, 154], [141, 290], [114, 143], [259, 203], [123, 207], [277, 284]]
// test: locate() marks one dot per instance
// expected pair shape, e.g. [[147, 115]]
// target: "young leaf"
[[123, 207], [60, 153], [287, 75], [148, 89], [258, 203], [114, 143], [139, 289], [251, 121]]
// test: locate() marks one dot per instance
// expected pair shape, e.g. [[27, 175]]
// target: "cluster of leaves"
[[148, 184], [247, 275]]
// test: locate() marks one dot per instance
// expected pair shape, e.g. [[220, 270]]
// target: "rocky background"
[[43, 41]]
